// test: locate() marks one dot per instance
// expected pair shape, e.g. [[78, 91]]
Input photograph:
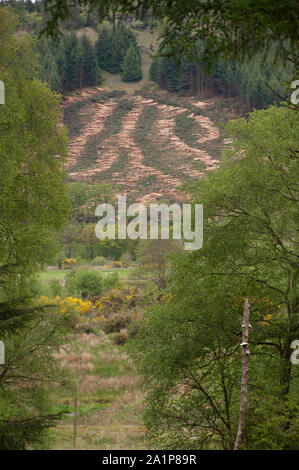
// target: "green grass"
[[45, 278], [109, 418]]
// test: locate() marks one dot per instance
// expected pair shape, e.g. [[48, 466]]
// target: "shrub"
[[139, 25], [116, 322], [98, 261], [55, 288], [126, 259], [68, 263], [117, 264], [86, 283], [121, 338], [111, 281], [36, 287]]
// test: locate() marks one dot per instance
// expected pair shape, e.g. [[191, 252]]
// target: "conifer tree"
[[47, 67], [68, 62], [111, 47], [103, 47], [88, 70], [131, 67]]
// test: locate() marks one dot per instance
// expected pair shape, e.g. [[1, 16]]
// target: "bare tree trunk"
[[75, 421], [244, 380]]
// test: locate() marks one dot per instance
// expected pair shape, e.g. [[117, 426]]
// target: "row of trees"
[[68, 63], [251, 81], [117, 52]]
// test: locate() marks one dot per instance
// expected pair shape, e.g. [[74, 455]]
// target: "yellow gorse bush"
[[68, 304], [69, 263]]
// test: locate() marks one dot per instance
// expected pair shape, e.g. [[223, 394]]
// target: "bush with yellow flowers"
[[69, 263], [117, 309], [70, 306], [115, 264]]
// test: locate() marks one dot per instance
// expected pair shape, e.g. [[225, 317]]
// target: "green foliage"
[[131, 66], [32, 370], [88, 70], [187, 348], [165, 72], [67, 63], [249, 80], [153, 260], [112, 46], [47, 67], [85, 198], [237, 29], [33, 149], [111, 281], [98, 261], [85, 283], [33, 206], [55, 288]]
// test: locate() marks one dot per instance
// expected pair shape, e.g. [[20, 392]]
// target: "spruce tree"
[[103, 47], [88, 70], [68, 62], [155, 69], [47, 68], [112, 46], [131, 66]]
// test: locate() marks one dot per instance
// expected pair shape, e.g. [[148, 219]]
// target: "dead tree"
[[244, 380]]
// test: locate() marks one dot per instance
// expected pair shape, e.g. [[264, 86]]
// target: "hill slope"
[[147, 145]]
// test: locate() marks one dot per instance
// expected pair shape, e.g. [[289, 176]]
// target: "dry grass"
[[123, 382], [110, 400]]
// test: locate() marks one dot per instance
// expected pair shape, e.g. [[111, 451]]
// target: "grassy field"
[[110, 400], [109, 392]]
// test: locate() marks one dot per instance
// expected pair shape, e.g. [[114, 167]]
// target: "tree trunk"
[[75, 421], [244, 380]]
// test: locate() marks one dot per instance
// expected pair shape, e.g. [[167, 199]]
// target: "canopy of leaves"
[[237, 28], [188, 348]]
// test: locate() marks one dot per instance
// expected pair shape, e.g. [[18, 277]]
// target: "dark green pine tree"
[[47, 68], [102, 47], [89, 74], [155, 69], [21, 428], [111, 47], [170, 74], [124, 38], [106, 51], [113, 64], [68, 62], [131, 66]]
